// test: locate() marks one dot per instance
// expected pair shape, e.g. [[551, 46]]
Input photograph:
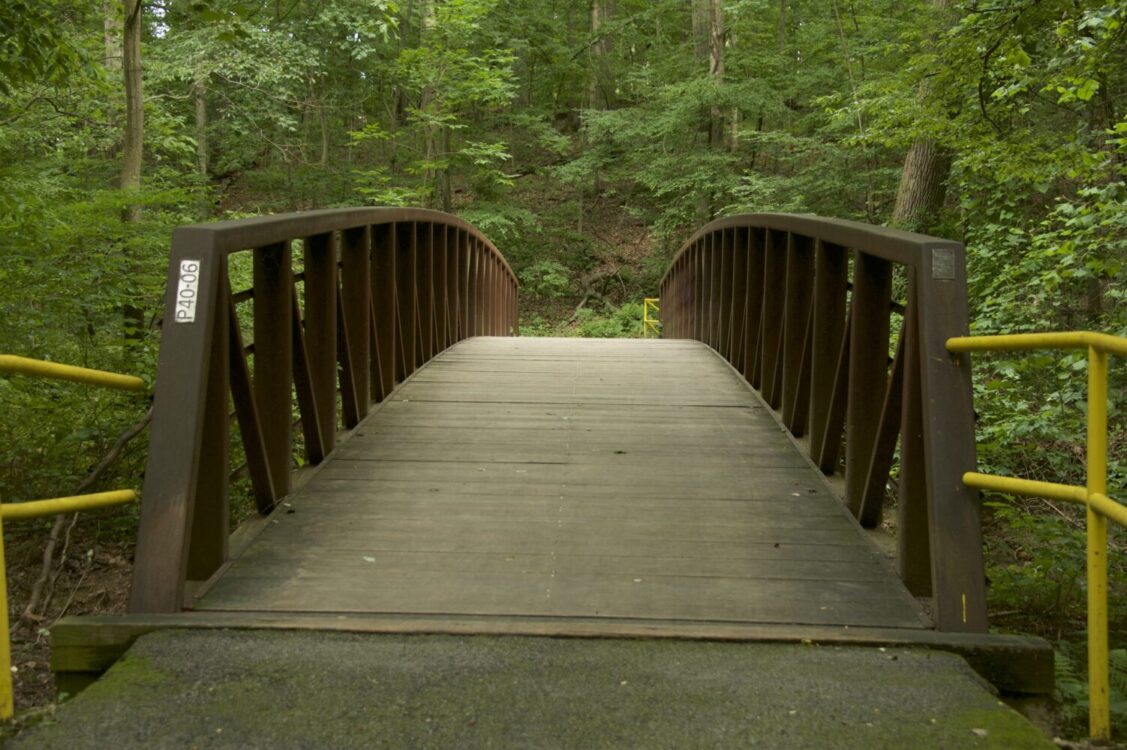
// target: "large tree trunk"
[[716, 67], [133, 142], [199, 98], [923, 183], [600, 94], [134, 103], [203, 160], [111, 42], [923, 186]]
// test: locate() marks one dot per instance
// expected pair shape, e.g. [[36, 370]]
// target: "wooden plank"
[[545, 594], [328, 563], [464, 494]]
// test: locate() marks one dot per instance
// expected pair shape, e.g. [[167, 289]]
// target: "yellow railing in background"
[[1093, 495], [651, 326], [38, 508]]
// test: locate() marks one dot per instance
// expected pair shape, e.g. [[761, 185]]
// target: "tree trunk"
[[923, 183], [600, 94], [923, 186], [199, 97], [133, 141], [203, 159], [111, 41], [132, 144], [716, 68]]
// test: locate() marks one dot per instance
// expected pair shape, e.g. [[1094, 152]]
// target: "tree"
[[923, 182], [133, 141]]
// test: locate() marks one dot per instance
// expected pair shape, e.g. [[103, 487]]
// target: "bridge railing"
[[1094, 494], [12, 365], [803, 307], [371, 295]]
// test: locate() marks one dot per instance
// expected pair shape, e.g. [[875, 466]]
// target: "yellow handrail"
[[1093, 495], [39, 508], [651, 325], [37, 368]]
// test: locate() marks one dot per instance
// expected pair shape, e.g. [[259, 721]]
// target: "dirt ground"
[[90, 574]]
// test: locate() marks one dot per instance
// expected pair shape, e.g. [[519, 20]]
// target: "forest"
[[588, 140]]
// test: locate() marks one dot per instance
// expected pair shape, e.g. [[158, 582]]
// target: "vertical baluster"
[[868, 369], [830, 278], [356, 272], [796, 315], [349, 397], [384, 280], [739, 299], [456, 315], [407, 303], [756, 257], [884, 446], [273, 357], [482, 294], [912, 534], [311, 426], [246, 411], [723, 292], [321, 331], [424, 288], [471, 287], [700, 288], [774, 284], [442, 285], [490, 292], [715, 259]]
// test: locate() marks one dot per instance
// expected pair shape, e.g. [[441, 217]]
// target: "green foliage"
[[545, 278], [1070, 666], [622, 322], [33, 46]]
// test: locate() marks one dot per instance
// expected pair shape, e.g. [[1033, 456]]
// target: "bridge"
[[418, 467]]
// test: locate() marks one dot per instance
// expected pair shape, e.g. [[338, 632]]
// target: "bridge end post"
[[176, 435], [957, 566]]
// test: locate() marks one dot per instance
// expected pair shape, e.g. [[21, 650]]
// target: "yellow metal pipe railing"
[[1093, 495], [651, 326], [54, 371], [39, 508]]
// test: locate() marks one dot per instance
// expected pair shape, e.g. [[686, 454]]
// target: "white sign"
[[187, 291]]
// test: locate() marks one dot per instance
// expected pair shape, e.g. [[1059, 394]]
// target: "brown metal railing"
[[802, 307], [384, 290]]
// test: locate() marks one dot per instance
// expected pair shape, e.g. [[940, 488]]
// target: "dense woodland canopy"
[[587, 139]]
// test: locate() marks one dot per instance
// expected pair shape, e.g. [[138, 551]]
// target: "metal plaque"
[[187, 291], [943, 263]]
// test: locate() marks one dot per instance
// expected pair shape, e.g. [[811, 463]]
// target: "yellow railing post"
[[36, 508], [6, 703], [1099, 715], [1100, 507], [651, 325]]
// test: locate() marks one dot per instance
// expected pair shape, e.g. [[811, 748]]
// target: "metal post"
[[1099, 717]]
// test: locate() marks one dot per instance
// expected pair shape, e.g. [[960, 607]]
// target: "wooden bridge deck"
[[563, 478]]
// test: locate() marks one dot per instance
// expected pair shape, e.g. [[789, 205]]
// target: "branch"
[[95, 474]]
